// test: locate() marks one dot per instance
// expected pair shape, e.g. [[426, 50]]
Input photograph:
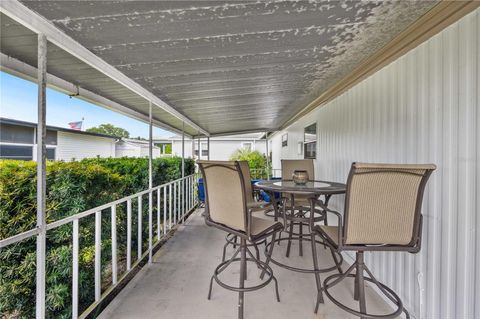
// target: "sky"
[[18, 100]]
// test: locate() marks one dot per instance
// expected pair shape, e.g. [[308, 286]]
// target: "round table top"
[[311, 187]]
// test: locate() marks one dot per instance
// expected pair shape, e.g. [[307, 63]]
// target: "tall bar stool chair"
[[253, 205], [382, 213], [299, 205], [226, 208]]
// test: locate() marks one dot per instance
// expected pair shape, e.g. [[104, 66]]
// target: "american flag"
[[76, 125]]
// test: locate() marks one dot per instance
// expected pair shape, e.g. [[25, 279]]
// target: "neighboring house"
[[221, 147], [18, 141], [135, 148]]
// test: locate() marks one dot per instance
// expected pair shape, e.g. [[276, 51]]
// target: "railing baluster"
[[164, 210], [192, 194], [175, 203], [75, 269], [170, 206], [150, 226], [139, 228], [98, 254], [182, 199], [114, 244], [188, 194], [158, 214], [129, 234]]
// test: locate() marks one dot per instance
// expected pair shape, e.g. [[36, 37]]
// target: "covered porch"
[[176, 284], [334, 82]]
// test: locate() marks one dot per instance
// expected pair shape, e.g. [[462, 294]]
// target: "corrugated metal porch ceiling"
[[228, 66]]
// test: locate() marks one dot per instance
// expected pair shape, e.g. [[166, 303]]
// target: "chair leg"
[[257, 252], [335, 259], [210, 288], [355, 287], [290, 234], [235, 242], [317, 275], [300, 231], [224, 251], [361, 283], [243, 263], [269, 255]]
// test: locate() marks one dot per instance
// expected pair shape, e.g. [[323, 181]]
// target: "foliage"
[[168, 149], [72, 187], [109, 129], [256, 161]]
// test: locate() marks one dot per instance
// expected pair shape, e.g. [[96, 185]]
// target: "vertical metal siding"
[[422, 108]]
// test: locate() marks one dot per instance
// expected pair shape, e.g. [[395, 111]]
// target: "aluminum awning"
[[217, 66]]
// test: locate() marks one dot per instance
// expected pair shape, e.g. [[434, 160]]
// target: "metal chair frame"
[[359, 266], [244, 236]]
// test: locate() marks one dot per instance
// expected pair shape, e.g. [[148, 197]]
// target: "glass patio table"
[[299, 215]]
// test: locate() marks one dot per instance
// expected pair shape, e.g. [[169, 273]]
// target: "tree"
[[109, 129]]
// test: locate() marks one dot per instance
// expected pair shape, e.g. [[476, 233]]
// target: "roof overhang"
[[165, 116], [213, 69]]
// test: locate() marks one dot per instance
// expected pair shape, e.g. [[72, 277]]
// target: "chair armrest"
[[334, 212]]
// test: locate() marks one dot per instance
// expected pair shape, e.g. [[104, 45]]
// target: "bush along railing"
[[90, 252]]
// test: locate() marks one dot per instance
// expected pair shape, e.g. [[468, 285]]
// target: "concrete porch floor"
[[176, 284]]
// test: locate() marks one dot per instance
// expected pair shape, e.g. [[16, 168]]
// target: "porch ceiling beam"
[[227, 133], [30, 19], [25, 71]]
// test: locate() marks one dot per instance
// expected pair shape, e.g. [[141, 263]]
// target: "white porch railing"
[[179, 198]]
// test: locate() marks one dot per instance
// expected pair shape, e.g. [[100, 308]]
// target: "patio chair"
[[301, 203], [382, 213], [227, 209], [232, 239]]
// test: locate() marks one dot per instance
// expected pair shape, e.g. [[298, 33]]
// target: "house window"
[[204, 149], [16, 152], [51, 154], [284, 140], [310, 141], [247, 145]]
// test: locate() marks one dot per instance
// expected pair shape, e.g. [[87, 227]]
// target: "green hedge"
[[72, 187]]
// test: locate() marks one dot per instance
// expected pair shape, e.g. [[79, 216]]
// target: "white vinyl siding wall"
[[422, 108], [78, 146]]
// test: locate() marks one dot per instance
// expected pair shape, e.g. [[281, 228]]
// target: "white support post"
[[183, 150], [129, 234], [139, 228], [268, 158], [75, 249], [150, 185], [199, 152], [182, 183], [114, 244], [208, 147], [98, 255], [41, 177]]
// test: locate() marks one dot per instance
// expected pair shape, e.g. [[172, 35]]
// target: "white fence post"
[[114, 244], [139, 228], [129, 234], [75, 248], [98, 255]]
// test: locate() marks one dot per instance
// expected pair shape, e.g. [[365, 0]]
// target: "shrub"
[[256, 161], [72, 187]]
